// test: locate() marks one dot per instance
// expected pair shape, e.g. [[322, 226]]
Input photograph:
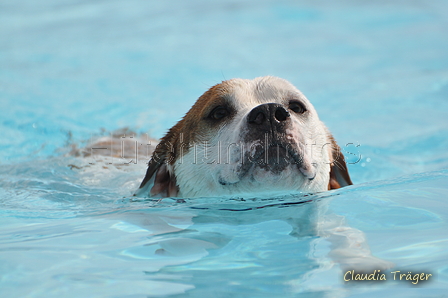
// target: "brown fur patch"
[[339, 175]]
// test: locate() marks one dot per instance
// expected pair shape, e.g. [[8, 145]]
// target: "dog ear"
[[159, 181], [339, 176]]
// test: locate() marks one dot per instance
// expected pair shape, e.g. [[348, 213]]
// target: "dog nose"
[[273, 113]]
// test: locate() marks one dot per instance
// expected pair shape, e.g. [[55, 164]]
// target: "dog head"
[[246, 136]]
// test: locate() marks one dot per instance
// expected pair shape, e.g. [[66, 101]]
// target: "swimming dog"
[[246, 137]]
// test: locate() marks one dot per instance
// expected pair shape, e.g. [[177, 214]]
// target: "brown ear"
[[339, 176], [162, 181], [159, 181]]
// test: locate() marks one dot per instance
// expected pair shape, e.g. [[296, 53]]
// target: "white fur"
[[199, 176]]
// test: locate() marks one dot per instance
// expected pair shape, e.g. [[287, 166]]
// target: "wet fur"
[[199, 157]]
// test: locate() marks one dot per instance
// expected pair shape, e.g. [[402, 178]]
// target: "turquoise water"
[[376, 71]]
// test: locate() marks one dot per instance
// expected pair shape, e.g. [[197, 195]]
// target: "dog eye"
[[218, 113], [297, 107]]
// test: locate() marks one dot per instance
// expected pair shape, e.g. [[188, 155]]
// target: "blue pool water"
[[376, 71]]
